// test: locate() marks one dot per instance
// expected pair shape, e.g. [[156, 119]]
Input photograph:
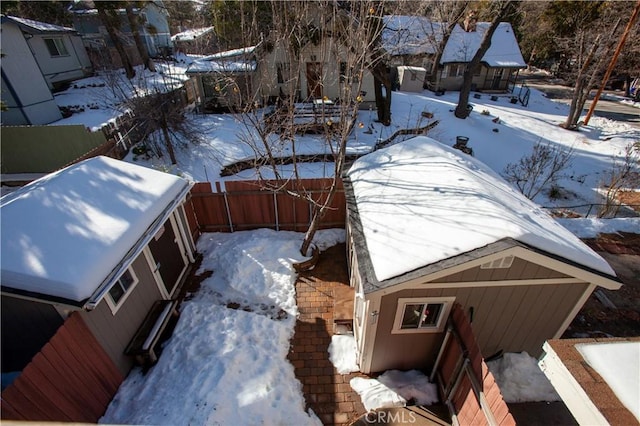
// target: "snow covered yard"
[[226, 362]]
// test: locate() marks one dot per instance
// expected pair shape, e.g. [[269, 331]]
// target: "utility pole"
[[607, 74]]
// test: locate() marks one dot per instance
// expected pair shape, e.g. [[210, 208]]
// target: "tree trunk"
[[383, 101], [108, 22], [462, 110], [135, 30], [580, 90], [167, 139]]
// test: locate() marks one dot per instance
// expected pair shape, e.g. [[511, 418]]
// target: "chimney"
[[470, 21]]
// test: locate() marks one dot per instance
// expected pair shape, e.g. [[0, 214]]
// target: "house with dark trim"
[[427, 227]]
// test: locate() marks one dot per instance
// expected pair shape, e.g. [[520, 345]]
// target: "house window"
[[56, 47], [121, 290], [283, 72], [422, 315], [414, 76], [455, 70]]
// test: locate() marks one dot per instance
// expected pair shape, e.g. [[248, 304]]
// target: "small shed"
[[103, 239], [428, 227], [411, 79], [225, 80]]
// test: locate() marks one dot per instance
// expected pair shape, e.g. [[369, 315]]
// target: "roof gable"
[[419, 203], [37, 27], [504, 50], [64, 234]]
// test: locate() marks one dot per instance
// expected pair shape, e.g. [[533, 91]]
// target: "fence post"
[[275, 207], [226, 204]]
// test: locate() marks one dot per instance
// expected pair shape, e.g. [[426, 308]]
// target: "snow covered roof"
[[411, 35], [420, 202], [191, 35], [236, 60], [37, 26], [504, 50], [64, 235]]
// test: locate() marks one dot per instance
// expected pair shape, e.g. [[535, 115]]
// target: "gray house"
[[427, 227], [103, 239], [58, 50], [25, 92]]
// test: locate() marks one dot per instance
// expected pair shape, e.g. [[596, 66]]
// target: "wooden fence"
[[466, 384], [243, 205], [71, 379]]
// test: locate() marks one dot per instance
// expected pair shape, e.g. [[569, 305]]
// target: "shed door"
[[167, 255]]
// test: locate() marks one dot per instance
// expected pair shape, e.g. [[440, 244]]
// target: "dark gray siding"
[[115, 332]]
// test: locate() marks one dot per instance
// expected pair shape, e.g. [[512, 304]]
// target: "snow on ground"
[[98, 99], [395, 388], [226, 362], [342, 353], [520, 379], [226, 138], [592, 227]]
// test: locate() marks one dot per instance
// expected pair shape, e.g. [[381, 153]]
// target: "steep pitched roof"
[[420, 203], [504, 50], [67, 234]]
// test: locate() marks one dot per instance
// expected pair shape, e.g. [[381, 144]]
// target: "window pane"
[[116, 292], [431, 315], [126, 280], [60, 45], [53, 50], [412, 314]]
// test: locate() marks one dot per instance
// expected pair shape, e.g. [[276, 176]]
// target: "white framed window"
[[422, 315], [121, 290], [56, 47]]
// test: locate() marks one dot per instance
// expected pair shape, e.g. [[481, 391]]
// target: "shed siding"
[[508, 318], [115, 332], [520, 270]]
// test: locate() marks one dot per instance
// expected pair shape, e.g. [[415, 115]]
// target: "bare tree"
[[462, 110], [342, 32], [539, 169], [624, 174]]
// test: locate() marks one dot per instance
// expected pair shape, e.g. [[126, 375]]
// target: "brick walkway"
[[326, 392]]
